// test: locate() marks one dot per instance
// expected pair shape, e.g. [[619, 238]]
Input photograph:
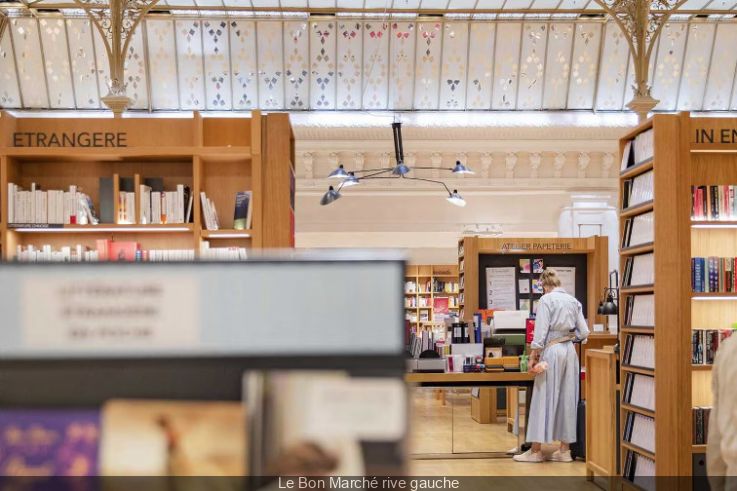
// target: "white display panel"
[[202, 309]]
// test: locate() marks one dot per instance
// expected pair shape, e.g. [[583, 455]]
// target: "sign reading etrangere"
[[81, 139]]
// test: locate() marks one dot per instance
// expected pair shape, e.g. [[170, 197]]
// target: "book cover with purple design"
[[49, 442]]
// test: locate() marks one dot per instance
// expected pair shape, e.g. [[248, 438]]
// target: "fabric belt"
[[564, 339]]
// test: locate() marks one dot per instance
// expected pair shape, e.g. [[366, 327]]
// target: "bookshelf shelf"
[[103, 228], [638, 249], [423, 277], [227, 234], [637, 170], [643, 371], [639, 450], [637, 210], [631, 290], [701, 368], [218, 156], [714, 295], [638, 330], [710, 224], [638, 410], [698, 449]]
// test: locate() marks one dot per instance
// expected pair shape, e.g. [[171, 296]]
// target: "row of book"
[[439, 286], [242, 215], [639, 430], [713, 274], [639, 270], [638, 230], [55, 207], [705, 343], [639, 310], [638, 150], [638, 468], [637, 190], [438, 303], [639, 351], [157, 207], [414, 302], [434, 286], [639, 390], [713, 202], [231, 253], [701, 425], [111, 251]]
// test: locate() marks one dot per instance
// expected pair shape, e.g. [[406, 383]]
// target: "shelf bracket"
[[116, 20], [641, 22]]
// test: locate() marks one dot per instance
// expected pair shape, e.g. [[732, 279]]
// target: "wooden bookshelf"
[[219, 156], [680, 161], [421, 275]]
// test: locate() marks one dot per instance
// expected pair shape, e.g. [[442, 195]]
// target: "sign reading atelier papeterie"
[[536, 246], [81, 139]]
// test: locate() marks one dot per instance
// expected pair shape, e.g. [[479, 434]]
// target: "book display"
[[430, 294], [204, 181], [680, 224]]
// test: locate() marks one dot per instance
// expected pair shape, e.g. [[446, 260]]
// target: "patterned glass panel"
[[270, 64], [296, 65], [218, 92], [243, 64], [668, 68], [721, 74], [30, 66], [455, 63], [350, 59], [56, 59], [584, 64], [9, 91], [402, 70], [480, 65], [323, 64], [427, 71], [101, 63], [163, 64], [135, 72], [506, 65], [189, 60], [696, 65], [558, 65], [84, 67], [375, 64], [613, 70], [532, 65]]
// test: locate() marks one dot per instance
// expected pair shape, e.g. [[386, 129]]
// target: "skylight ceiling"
[[222, 61]]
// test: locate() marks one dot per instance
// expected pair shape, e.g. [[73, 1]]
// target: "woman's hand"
[[533, 360]]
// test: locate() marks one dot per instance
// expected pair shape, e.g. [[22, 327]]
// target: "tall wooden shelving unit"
[[420, 275], [683, 157], [219, 156]]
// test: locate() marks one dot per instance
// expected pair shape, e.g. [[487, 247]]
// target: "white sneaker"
[[529, 456], [559, 456]]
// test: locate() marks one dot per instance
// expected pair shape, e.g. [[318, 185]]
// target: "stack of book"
[[639, 390], [637, 467], [713, 274], [713, 202], [701, 425], [67, 254], [444, 286], [639, 270], [410, 287], [158, 207], [208, 253], [639, 150], [637, 190], [705, 343], [640, 430], [639, 311], [639, 351], [638, 230], [52, 207], [106, 250], [209, 213]]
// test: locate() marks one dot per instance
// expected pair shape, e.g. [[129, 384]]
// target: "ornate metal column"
[[641, 22], [116, 20], [3, 24]]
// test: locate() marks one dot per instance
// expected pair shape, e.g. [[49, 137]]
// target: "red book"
[[123, 251]]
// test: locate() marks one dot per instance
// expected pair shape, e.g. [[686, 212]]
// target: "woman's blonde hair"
[[550, 278]]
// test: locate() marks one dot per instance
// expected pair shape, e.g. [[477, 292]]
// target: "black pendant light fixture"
[[399, 171]]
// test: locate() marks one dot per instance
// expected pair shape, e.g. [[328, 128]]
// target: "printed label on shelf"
[[119, 313]]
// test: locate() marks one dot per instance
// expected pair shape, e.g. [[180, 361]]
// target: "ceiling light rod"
[[400, 170]]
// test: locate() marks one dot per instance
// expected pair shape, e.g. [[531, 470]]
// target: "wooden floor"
[[439, 427]]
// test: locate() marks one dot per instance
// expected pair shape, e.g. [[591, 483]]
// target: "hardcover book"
[[49, 442], [242, 215]]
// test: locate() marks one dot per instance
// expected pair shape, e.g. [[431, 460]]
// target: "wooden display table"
[[483, 380]]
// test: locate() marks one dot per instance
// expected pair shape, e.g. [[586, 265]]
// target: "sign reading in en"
[[82, 139], [716, 135]]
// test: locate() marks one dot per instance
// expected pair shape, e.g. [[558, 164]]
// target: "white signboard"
[[567, 275], [118, 312], [501, 288]]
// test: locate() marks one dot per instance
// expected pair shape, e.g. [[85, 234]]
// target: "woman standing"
[[553, 357]]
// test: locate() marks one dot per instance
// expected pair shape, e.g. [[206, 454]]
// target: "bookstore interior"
[[494, 158]]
